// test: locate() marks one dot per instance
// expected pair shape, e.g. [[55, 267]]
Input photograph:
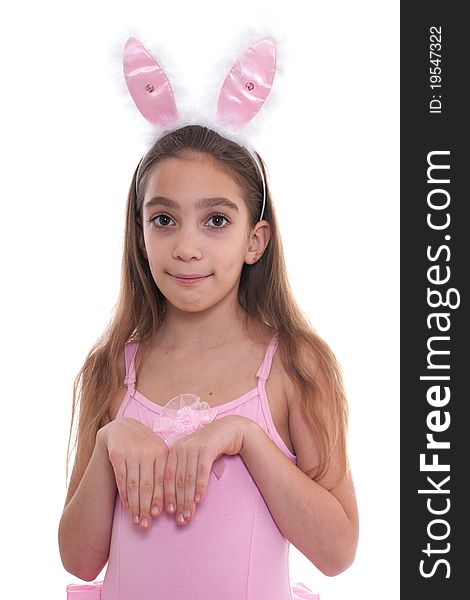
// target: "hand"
[[190, 461], [138, 457]]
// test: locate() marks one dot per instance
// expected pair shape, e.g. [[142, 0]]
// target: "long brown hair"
[[264, 293]]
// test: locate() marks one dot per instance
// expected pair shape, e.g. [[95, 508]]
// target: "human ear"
[[257, 242]]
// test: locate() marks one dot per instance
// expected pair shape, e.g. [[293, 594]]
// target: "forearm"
[[85, 526], [307, 514]]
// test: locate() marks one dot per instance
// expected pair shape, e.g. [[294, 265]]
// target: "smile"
[[189, 279]]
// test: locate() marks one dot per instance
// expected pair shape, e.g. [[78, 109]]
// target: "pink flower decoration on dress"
[[182, 415], [187, 420]]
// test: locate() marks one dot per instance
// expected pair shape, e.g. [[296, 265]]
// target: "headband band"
[[253, 155]]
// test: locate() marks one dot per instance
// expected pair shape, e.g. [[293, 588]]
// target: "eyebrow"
[[201, 203]]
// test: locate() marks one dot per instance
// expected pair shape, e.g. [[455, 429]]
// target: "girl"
[[205, 309]]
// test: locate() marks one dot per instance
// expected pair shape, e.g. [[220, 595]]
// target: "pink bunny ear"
[[148, 85], [248, 84]]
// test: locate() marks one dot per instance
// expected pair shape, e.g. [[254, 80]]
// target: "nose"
[[187, 245]]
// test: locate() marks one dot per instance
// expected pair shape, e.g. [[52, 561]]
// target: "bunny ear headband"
[[242, 94]]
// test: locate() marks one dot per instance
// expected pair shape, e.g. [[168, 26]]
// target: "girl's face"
[[196, 232]]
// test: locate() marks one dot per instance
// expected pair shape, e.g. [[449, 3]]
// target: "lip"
[[190, 276], [188, 279]]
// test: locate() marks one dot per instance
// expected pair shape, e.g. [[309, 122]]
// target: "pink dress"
[[231, 550]]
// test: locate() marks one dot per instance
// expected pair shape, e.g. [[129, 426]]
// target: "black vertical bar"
[[435, 341]]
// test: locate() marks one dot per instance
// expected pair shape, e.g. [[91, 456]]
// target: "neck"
[[203, 330]]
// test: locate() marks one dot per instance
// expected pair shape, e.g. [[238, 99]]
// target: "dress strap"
[[130, 350], [265, 367]]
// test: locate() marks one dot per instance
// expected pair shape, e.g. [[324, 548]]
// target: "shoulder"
[[117, 399], [310, 364], [303, 435]]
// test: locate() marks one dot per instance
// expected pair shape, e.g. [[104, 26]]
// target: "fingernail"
[[145, 522], [197, 498], [187, 514], [136, 518], [180, 519], [155, 511], [171, 508]]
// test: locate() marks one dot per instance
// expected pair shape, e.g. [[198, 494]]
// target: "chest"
[[162, 376]]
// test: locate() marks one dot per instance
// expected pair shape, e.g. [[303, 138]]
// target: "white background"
[[70, 142]]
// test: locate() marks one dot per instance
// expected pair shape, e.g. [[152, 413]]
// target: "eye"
[[160, 220], [217, 221]]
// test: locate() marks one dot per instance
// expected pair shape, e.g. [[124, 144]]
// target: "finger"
[[190, 486], [180, 482], [158, 500], [146, 492], [169, 492], [133, 491], [204, 467], [120, 474]]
